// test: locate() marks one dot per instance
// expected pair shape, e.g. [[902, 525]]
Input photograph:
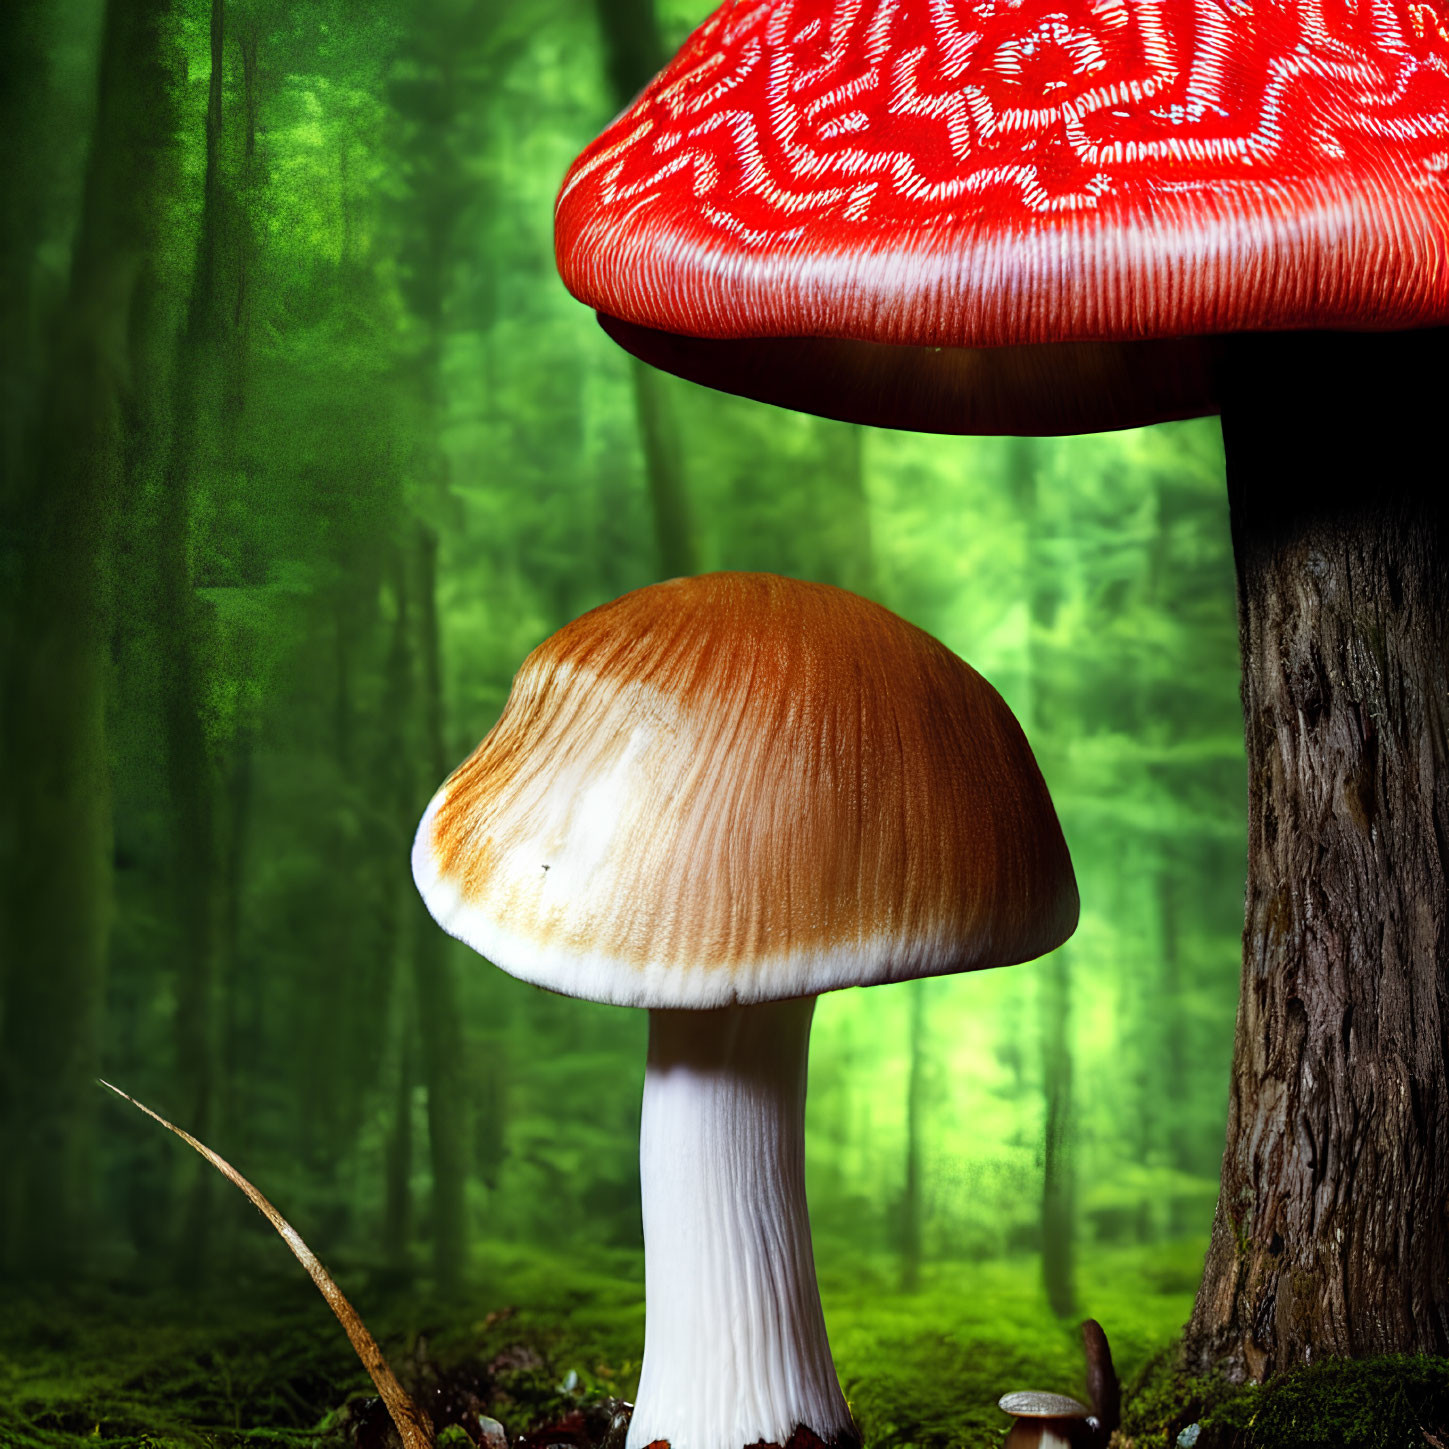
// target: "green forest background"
[[305, 447]]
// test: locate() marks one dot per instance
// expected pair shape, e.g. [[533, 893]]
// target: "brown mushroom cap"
[[741, 788]]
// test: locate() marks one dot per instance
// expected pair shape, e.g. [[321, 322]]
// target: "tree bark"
[[1332, 1228]]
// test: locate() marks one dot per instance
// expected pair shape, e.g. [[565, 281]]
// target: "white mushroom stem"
[[735, 1351]]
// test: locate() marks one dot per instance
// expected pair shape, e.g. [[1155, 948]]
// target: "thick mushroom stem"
[[735, 1351]]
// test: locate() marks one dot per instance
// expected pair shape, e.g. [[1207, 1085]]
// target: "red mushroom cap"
[[1000, 173]]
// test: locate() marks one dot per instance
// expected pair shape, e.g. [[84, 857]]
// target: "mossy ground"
[[265, 1363], [1393, 1402]]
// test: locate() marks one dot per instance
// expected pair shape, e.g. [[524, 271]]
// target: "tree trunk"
[[847, 553], [55, 836], [1332, 1229], [633, 52], [663, 470], [396, 771], [442, 1039], [191, 774], [1170, 1036], [25, 86], [1059, 1182], [1059, 1178], [397, 1215], [436, 105], [233, 982], [911, 1208]]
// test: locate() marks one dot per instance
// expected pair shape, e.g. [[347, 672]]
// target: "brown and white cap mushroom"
[[1057, 1421], [716, 797], [1045, 1421], [1031, 218], [741, 788]]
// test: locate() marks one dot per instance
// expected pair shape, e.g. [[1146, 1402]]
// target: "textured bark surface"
[[1332, 1230]]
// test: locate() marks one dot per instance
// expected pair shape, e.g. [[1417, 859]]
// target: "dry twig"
[[413, 1423]]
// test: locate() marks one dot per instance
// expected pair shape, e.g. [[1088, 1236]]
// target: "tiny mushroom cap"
[[1045, 1421], [1034, 1404], [1072, 198], [740, 788], [716, 797]]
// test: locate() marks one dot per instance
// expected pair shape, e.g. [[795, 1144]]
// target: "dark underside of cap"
[[1041, 389]]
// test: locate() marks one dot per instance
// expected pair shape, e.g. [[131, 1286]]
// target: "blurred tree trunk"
[[911, 1207], [25, 79], [1165, 1035], [663, 470], [433, 96], [1059, 1176], [397, 1213], [633, 52], [491, 1135], [235, 788], [1331, 1235], [57, 837], [180, 620], [847, 549], [232, 980], [1059, 1186], [442, 1038], [1170, 1048], [397, 770]]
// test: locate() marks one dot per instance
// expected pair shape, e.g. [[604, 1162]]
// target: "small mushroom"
[[1054, 1421], [1046, 1421]]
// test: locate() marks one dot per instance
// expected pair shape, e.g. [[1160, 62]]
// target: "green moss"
[[1378, 1403], [267, 1364], [1154, 1400]]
